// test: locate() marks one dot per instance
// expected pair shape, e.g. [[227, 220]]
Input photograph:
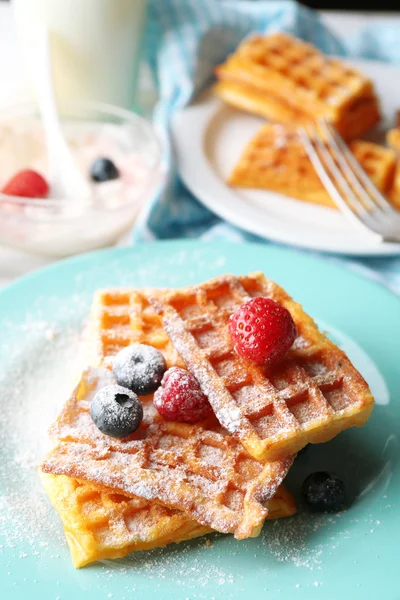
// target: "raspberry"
[[180, 398], [27, 184], [262, 330]]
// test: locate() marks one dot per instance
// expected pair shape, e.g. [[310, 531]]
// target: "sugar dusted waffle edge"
[[284, 78], [101, 524]]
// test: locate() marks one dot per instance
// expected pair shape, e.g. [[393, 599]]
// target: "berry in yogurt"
[[27, 184], [103, 169]]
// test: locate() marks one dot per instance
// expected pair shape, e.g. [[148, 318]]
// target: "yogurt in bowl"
[[59, 227]]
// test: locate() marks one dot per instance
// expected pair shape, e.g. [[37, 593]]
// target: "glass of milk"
[[95, 45]]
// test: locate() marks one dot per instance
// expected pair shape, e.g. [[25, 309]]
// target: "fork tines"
[[347, 182]]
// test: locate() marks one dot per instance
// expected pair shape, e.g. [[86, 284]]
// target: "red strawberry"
[[262, 330], [28, 184], [180, 398]]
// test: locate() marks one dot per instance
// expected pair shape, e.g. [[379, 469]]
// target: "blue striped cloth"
[[185, 39]]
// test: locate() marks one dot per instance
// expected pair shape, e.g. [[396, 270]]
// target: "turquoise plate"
[[353, 554]]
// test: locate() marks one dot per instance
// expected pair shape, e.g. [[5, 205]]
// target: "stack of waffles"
[[290, 82], [276, 160], [287, 80], [170, 481]]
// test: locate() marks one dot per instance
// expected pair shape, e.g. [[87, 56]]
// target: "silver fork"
[[348, 184]]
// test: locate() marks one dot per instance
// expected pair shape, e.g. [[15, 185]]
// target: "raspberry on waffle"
[[309, 396], [275, 159], [285, 79]]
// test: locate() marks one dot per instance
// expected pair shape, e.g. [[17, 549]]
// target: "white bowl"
[[57, 227]]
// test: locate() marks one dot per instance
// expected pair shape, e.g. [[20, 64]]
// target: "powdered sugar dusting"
[[29, 528], [36, 379], [157, 463], [232, 419]]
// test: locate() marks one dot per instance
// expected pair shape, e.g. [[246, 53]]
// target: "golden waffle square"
[[276, 160], [101, 524], [309, 396], [196, 469], [120, 317], [98, 522], [285, 79]]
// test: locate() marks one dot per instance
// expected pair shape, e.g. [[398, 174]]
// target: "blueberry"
[[324, 492], [116, 411], [140, 368], [103, 169]]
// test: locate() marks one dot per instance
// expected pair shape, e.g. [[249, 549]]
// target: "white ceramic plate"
[[209, 138]]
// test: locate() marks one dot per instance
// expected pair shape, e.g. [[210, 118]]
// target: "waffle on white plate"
[[285, 79], [276, 160]]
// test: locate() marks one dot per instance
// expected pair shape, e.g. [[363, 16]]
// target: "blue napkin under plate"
[[184, 41]]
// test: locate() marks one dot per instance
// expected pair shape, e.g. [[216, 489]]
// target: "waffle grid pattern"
[[305, 70], [309, 397], [303, 83], [123, 317], [378, 162], [395, 192], [200, 471], [276, 160], [100, 523]]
